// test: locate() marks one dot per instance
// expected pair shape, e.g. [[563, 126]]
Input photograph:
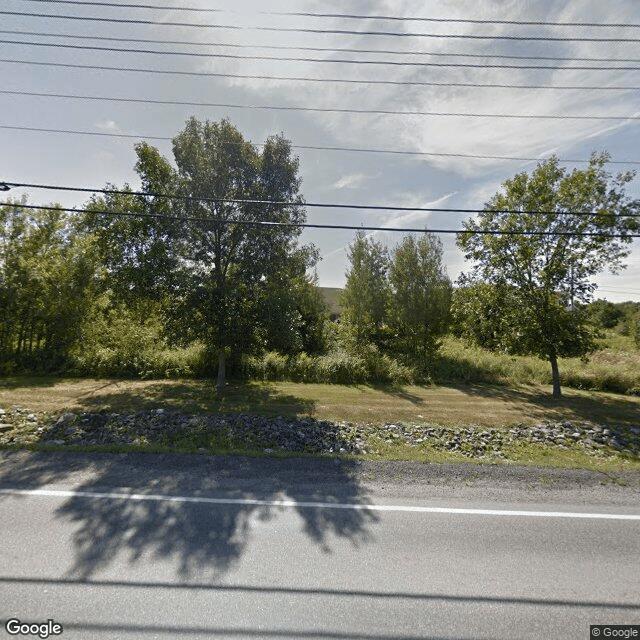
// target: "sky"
[[437, 167]]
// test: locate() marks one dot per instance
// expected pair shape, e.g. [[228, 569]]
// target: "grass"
[[452, 405], [614, 367], [480, 404]]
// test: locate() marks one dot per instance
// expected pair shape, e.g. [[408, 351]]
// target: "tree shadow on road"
[[171, 509]]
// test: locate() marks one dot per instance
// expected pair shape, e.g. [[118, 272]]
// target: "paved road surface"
[[192, 547]]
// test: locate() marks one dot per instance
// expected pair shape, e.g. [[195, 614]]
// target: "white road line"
[[316, 505]]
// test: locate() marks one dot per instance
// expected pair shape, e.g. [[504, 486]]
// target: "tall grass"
[[337, 367], [616, 370]]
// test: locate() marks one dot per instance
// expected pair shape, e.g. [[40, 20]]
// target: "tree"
[[46, 277], [141, 253], [420, 299], [234, 259], [364, 300], [199, 243], [478, 313], [578, 224], [605, 314]]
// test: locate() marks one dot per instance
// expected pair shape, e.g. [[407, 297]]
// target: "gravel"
[[161, 426]]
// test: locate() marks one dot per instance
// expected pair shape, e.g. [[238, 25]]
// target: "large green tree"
[[420, 300], [236, 257], [365, 297], [225, 273], [543, 237]]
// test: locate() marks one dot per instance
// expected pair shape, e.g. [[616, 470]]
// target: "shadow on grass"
[[198, 536], [594, 407], [198, 397], [21, 381], [398, 392]]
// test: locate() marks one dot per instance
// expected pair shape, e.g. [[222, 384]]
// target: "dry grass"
[[486, 405]]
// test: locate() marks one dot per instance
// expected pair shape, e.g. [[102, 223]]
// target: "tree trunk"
[[221, 371], [555, 375]]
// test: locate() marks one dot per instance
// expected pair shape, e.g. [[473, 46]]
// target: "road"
[[146, 546]]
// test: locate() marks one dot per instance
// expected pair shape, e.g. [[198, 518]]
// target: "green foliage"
[[604, 314], [479, 314], [420, 300], [336, 367], [236, 287], [46, 282], [549, 271], [606, 370], [237, 266], [365, 298], [124, 341], [400, 305]]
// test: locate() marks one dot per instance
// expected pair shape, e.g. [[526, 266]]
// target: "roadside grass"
[[614, 367], [488, 406], [454, 404]]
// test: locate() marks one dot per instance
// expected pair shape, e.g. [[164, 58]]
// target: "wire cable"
[[123, 5], [306, 225], [323, 205], [344, 16], [213, 74], [526, 23], [233, 45], [523, 38], [394, 63], [389, 112], [314, 147]]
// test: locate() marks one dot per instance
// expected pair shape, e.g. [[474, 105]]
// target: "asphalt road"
[[145, 546]]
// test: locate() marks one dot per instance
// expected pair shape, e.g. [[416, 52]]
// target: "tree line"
[[188, 261]]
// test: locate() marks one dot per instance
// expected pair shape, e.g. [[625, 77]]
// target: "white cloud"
[[352, 181], [108, 126]]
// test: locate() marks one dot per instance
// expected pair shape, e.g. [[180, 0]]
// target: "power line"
[[313, 147], [389, 112], [525, 23], [211, 74], [322, 205], [395, 63], [345, 16], [122, 5], [54, 16], [261, 223], [523, 38], [301, 48]]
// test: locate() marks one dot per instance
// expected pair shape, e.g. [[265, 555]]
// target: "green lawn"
[[486, 405]]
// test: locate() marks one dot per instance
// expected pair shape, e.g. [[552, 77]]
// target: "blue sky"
[[331, 176]]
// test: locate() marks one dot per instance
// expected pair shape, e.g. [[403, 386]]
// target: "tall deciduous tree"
[[578, 224], [223, 275], [234, 258], [420, 296], [365, 297]]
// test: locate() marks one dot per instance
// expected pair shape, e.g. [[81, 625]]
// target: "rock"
[[32, 417], [5, 427]]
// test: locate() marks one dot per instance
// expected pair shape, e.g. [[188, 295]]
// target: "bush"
[[337, 367]]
